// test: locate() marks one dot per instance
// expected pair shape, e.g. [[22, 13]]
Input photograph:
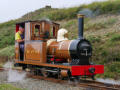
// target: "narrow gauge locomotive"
[[45, 54]]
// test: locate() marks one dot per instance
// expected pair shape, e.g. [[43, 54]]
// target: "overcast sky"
[[12, 9]]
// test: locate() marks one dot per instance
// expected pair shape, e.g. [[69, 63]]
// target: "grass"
[[115, 37], [111, 70], [97, 8], [93, 39], [7, 34], [107, 53], [100, 24], [8, 51], [9, 87]]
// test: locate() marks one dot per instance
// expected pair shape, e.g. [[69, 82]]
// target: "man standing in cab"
[[19, 37]]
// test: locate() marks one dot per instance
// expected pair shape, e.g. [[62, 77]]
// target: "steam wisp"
[[108, 81], [13, 75], [89, 13]]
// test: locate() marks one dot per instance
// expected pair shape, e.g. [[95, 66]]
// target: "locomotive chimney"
[[80, 26]]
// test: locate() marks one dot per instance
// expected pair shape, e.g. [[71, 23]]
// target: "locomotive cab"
[[36, 34]]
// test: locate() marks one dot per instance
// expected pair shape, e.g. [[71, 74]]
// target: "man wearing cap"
[[19, 37]]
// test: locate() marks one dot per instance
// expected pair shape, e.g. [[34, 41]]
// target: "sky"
[[13, 9]]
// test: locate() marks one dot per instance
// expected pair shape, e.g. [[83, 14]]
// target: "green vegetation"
[[109, 6], [115, 37], [93, 39], [100, 24], [7, 34], [8, 87], [97, 8], [8, 51], [101, 29], [107, 52]]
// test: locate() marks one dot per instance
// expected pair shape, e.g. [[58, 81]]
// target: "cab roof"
[[42, 20]]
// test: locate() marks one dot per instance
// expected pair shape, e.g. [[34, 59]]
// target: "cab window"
[[37, 31], [52, 32]]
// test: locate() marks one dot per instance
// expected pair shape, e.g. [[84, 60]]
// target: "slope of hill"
[[92, 10], [101, 28]]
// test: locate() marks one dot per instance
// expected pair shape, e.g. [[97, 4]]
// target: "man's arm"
[[19, 41], [18, 38]]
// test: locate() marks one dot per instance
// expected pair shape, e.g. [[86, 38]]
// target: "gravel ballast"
[[34, 84]]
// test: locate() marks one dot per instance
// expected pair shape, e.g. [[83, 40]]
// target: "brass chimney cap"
[[80, 15]]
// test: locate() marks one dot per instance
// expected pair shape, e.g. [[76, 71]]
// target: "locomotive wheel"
[[24, 67], [60, 76], [36, 72], [32, 71], [78, 78], [93, 77], [44, 73]]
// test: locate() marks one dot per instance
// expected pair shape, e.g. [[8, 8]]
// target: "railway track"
[[82, 83]]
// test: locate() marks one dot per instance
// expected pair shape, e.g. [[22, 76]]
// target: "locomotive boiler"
[[48, 51], [77, 52]]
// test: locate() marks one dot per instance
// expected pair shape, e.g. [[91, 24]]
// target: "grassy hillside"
[[101, 28], [92, 10]]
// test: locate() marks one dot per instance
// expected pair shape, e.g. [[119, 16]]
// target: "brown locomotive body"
[[35, 51], [43, 51]]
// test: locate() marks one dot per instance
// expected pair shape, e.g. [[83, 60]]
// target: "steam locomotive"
[[48, 51]]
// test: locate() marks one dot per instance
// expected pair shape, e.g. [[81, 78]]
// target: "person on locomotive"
[[62, 35], [19, 37]]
